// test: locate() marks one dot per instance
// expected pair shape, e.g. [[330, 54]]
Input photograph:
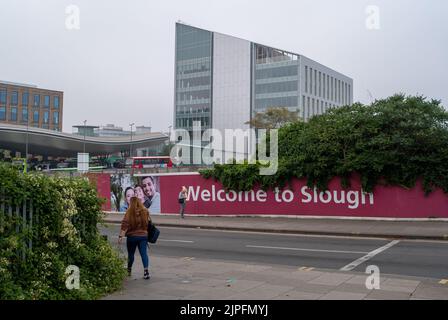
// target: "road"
[[405, 257]]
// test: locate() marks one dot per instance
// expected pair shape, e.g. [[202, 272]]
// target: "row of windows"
[[25, 116], [324, 86], [286, 86], [193, 95], [192, 43], [286, 71], [312, 107], [277, 102], [14, 99], [270, 55], [194, 68], [194, 109], [188, 122], [194, 82]]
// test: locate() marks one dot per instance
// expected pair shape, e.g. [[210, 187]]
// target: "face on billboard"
[[148, 186]]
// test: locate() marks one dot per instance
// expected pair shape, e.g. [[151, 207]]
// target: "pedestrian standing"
[[183, 195], [135, 227]]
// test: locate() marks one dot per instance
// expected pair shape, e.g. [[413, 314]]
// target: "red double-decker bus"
[[151, 162]]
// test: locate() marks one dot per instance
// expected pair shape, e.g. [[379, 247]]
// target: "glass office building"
[[193, 77], [223, 81]]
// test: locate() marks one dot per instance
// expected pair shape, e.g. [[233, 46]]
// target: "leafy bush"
[[394, 141], [64, 232]]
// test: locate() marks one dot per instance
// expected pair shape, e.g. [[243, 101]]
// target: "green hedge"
[[394, 141], [68, 212]]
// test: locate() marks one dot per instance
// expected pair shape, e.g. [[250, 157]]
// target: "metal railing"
[[22, 217]]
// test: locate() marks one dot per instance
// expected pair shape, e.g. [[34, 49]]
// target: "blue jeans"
[[132, 243]]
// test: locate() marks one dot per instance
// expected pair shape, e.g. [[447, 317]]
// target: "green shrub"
[[394, 141], [64, 232]]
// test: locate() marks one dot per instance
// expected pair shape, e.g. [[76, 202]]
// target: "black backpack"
[[153, 232]]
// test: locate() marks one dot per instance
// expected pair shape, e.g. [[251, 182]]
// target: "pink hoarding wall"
[[208, 197]]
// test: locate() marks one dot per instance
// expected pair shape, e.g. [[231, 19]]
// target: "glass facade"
[[25, 96], [36, 102], [13, 116], [55, 118], [24, 114], [2, 113], [193, 77], [2, 96], [14, 98], [276, 79], [36, 116], [56, 102], [47, 101], [46, 119]]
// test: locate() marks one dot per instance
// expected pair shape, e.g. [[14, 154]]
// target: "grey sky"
[[119, 67]]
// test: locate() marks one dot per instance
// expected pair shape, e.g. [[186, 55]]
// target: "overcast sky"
[[119, 66]]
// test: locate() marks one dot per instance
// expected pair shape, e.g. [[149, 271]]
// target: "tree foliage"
[[64, 232], [273, 118], [394, 141]]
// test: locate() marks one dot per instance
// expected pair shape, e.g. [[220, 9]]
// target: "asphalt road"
[[405, 257]]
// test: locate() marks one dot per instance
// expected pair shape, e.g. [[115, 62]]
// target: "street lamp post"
[[169, 137], [84, 148], [26, 144], [130, 147]]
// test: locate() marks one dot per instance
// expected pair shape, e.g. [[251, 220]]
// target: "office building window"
[[323, 86], [311, 80], [335, 92], [36, 116], [47, 101], [346, 93], [306, 79], [315, 82], [2, 113], [313, 111], [13, 114], [25, 99], [328, 87], [14, 98], [55, 117], [320, 84], [36, 101], [56, 102], [340, 91], [349, 94], [308, 108], [24, 114], [2, 96], [46, 117], [321, 107]]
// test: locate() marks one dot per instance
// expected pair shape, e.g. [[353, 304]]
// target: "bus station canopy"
[[58, 144]]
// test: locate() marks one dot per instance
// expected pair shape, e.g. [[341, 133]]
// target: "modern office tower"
[[23, 104], [223, 81]]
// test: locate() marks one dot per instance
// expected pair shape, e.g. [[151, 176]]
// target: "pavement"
[[215, 258], [187, 278], [397, 229]]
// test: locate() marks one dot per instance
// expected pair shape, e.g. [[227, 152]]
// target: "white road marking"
[[303, 249], [368, 256], [183, 241]]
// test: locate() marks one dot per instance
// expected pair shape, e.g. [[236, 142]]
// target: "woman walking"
[[183, 195], [135, 227]]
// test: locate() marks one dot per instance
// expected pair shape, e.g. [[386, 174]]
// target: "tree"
[[273, 118], [393, 141]]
